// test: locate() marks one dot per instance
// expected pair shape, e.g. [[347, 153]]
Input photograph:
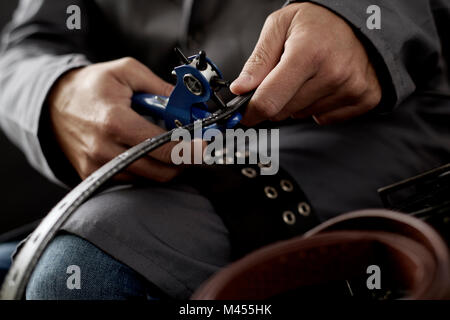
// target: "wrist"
[[62, 90]]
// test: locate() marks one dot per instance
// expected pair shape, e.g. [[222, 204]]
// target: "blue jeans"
[[74, 269], [6, 250]]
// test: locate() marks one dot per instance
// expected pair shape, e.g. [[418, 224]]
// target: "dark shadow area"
[[25, 195]]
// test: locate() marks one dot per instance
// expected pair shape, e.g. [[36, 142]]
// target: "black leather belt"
[[256, 209]]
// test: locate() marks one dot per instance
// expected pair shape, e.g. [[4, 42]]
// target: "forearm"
[[34, 55]]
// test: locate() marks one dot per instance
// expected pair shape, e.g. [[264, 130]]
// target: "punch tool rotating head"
[[198, 82]]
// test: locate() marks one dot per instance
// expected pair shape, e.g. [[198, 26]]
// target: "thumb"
[[265, 56], [140, 78]]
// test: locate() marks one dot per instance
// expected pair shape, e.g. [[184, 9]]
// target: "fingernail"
[[243, 81]]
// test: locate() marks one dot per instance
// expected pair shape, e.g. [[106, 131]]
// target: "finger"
[[125, 178], [310, 93], [140, 78], [137, 129], [154, 170], [265, 56], [280, 86], [352, 92], [340, 98]]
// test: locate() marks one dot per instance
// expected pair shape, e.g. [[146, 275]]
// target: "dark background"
[[25, 196]]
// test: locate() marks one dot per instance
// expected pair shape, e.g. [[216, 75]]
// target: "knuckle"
[[96, 152], [259, 57], [337, 75], [316, 56], [273, 18], [110, 123], [127, 62], [357, 87], [317, 53], [373, 99]]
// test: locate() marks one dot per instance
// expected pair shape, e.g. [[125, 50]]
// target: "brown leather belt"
[[413, 259]]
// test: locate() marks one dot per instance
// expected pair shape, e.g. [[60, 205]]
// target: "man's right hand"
[[93, 121]]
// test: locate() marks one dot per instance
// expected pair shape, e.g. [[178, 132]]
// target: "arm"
[[34, 55], [327, 50], [64, 112]]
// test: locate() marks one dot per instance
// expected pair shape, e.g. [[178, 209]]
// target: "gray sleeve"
[[408, 45], [37, 48]]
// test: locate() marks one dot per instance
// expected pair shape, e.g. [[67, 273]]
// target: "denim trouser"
[[74, 269], [6, 251]]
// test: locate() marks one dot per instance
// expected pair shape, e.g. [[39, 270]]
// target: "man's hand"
[[93, 122], [308, 62]]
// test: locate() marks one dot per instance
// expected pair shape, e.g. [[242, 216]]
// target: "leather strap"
[[256, 209], [413, 258]]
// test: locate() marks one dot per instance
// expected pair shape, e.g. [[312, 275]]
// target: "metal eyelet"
[[304, 209], [289, 218], [178, 123], [249, 173], [271, 192], [193, 84], [287, 186]]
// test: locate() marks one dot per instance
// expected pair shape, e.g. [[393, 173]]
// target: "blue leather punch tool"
[[198, 81]]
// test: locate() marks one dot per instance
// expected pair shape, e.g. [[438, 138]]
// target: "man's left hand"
[[308, 62]]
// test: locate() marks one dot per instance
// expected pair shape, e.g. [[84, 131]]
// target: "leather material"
[[413, 259], [256, 209]]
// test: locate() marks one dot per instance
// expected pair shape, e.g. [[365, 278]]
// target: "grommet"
[[289, 218], [249, 172], [271, 192], [304, 209], [286, 185]]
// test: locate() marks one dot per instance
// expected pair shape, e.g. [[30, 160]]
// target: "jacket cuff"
[[54, 163]]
